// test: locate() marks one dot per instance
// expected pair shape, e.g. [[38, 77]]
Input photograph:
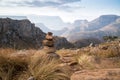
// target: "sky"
[[68, 10]]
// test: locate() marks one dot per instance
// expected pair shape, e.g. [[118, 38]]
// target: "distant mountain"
[[102, 26], [79, 29], [113, 28], [52, 22], [77, 26], [83, 39], [46, 29], [45, 23], [81, 24], [42, 27], [13, 17], [85, 42], [102, 21]]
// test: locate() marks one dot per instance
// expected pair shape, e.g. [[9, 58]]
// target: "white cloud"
[[65, 5], [68, 10]]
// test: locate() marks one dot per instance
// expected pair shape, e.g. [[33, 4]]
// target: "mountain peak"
[[109, 16], [80, 21], [13, 17]]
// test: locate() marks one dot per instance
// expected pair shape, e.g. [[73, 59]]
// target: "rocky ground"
[[98, 74], [101, 62]]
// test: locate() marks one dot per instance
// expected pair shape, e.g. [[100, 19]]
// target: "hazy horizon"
[[68, 10]]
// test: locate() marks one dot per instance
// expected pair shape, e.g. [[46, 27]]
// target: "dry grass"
[[6, 67], [43, 67], [64, 52], [86, 61], [111, 51], [19, 65], [10, 67], [104, 50], [6, 51], [95, 57]]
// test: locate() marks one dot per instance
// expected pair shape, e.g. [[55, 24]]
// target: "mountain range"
[[14, 17], [22, 34], [51, 22], [104, 25], [46, 23]]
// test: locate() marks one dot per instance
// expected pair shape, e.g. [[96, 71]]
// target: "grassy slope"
[[21, 64]]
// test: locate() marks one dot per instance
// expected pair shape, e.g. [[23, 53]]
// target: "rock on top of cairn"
[[49, 36], [48, 44]]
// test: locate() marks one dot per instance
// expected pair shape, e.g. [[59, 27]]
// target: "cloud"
[[63, 5], [70, 7], [36, 3]]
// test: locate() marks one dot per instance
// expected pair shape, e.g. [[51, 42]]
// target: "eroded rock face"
[[86, 42], [20, 34], [101, 74], [61, 42]]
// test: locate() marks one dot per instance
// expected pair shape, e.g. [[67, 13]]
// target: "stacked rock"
[[48, 44]]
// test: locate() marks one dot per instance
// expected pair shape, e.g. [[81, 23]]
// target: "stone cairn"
[[48, 45], [48, 48]]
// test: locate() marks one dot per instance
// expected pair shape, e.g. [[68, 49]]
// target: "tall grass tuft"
[[86, 61], [9, 66], [43, 67], [14, 65]]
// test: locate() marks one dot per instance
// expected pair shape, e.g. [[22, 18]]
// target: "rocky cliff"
[[20, 34], [61, 42]]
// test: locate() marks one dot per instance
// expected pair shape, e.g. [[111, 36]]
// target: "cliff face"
[[97, 28], [20, 34], [61, 42]]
